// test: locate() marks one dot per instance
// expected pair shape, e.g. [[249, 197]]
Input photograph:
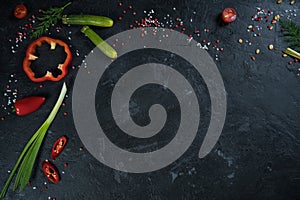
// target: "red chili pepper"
[[28, 105], [50, 172], [58, 146], [31, 50]]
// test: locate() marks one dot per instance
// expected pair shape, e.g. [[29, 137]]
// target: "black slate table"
[[258, 153]]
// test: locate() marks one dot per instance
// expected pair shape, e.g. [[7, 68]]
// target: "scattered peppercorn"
[[271, 46]]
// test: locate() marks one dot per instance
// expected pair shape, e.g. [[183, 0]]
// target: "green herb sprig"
[[28, 156], [49, 17], [292, 32]]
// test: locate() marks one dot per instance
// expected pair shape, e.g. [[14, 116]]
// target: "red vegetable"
[[28, 105], [50, 172], [229, 15], [31, 50], [58, 146], [20, 11]]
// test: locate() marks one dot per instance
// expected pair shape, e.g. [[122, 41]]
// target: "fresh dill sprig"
[[292, 32], [49, 17]]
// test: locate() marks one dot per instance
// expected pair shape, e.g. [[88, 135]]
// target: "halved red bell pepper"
[[58, 146], [50, 172], [30, 56]]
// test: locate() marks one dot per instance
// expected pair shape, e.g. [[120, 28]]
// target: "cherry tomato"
[[229, 15], [28, 105], [20, 11], [50, 172], [58, 146]]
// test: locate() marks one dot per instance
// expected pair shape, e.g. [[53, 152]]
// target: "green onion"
[[92, 20], [99, 42], [28, 156], [292, 53]]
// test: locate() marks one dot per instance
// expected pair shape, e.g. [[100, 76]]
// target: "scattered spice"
[[10, 96], [292, 2], [240, 41], [271, 46]]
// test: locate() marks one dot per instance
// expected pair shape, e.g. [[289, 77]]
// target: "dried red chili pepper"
[[58, 146], [28, 105], [31, 50], [50, 172]]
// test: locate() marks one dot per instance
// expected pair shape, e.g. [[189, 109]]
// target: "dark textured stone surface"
[[258, 153]]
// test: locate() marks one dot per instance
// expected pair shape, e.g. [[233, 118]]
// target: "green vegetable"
[[292, 53], [48, 18], [28, 156], [99, 42], [292, 33], [92, 20]]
